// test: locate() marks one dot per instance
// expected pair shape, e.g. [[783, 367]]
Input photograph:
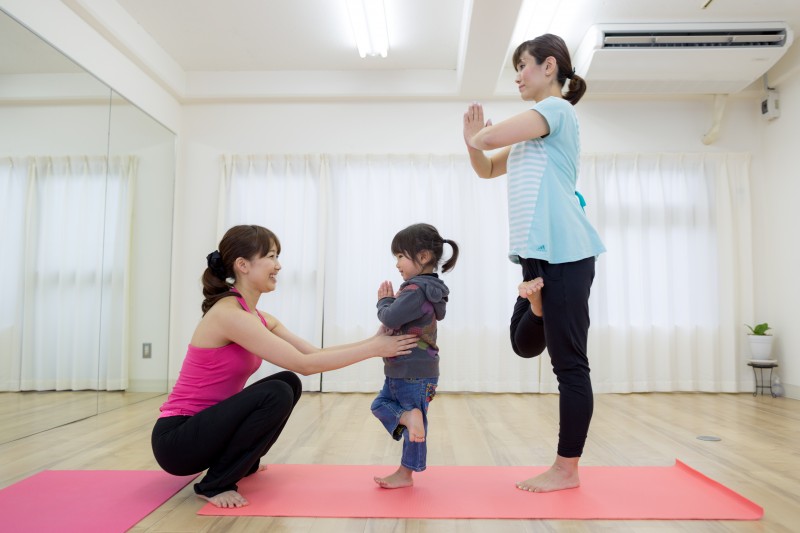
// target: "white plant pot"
[[760, 346]]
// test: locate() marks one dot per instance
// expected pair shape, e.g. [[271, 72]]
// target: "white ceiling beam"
[[111, 21], [486, 44]]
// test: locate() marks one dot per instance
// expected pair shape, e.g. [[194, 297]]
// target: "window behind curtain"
[[67, 235], [665, 303], [673, 290]]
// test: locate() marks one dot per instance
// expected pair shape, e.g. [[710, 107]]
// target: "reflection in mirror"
[[84, 269], [53, 143], [139, 204]]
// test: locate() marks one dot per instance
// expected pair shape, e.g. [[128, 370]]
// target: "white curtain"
[[374, 197], [668, 299], [13, 189], [343, 231], [115, 323], [66, 238], [675, 287], [286, 194]]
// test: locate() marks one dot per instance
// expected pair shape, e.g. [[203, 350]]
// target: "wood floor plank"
[[757, 455]]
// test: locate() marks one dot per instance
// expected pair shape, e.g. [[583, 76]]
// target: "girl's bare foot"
[[227, 499], [562, 475], [532, 290], [412, 420], [399, 479]]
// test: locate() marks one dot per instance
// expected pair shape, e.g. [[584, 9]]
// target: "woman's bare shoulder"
[[214, 326]]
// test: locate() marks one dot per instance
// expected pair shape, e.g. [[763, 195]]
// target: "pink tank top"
[[210, 375]]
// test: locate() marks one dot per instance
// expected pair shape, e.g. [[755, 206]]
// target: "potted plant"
[[760, 341]]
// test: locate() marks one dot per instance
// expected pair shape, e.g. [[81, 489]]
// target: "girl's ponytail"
[[450, 263]]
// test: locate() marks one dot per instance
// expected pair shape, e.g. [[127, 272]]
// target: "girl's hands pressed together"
[[385, 290]]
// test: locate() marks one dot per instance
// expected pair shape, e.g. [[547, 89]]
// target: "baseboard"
[[791, 391], [147, 385]]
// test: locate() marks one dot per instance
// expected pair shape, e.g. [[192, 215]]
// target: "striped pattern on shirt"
[[526, 164]]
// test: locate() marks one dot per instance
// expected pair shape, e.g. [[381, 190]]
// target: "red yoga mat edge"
[[756, 509], [675, 492]]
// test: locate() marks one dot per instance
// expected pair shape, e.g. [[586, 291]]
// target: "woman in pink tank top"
[[210, 420]]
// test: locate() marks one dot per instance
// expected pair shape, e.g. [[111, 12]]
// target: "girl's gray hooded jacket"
[[416, 308]]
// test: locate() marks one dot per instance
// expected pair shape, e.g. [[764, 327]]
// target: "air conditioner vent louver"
[[679, 58], [693, 39]]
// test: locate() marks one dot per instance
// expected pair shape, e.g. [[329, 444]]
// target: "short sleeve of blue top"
[[546, 220]]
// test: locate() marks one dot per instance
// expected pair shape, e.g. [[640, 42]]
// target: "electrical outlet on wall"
[[147, 350]]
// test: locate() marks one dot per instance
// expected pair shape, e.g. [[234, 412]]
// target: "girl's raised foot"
[[413, 422]]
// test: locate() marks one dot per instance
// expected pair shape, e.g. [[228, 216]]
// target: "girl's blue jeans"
[[398, 396]]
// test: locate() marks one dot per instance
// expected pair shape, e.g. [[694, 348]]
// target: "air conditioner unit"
[[679, 58]]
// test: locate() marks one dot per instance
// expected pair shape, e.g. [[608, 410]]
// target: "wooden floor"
[[758, 456], [27, 413]]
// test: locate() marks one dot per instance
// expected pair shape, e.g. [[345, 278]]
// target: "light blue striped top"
[[546, 220]]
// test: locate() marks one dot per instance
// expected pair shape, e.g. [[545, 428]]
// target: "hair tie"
[[570, 74], [214, 260]]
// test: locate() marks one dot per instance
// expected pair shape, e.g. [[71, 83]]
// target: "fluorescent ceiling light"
[[368, 20]]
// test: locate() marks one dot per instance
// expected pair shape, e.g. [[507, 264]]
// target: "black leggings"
[[563, 330], [228, 438]]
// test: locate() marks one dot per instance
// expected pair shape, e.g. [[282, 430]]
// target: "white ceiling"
[[215, 50]]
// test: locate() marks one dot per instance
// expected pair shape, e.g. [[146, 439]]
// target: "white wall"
[[608, 126], [668, 125], [776, 219], [54, 130]]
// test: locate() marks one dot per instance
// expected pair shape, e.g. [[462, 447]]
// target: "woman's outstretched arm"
[[289, 351]]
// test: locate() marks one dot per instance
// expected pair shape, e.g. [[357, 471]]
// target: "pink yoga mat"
[[616, 493], [85, 501]]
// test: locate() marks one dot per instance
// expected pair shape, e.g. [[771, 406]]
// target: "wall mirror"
[[86, 187]]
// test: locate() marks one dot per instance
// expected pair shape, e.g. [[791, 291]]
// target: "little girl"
[[410, 385]]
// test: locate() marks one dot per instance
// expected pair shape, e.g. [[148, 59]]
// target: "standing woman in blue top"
[[550, 236]]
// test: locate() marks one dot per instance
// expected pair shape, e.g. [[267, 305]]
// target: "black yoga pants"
[[228, 438], [563, 330]]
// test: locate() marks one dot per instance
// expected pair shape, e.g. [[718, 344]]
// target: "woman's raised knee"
[[528, 353]]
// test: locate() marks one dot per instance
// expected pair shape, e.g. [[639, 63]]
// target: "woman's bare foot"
[[562, 475], [399, 479], [532, 290], [227, 499], [412, 420]]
